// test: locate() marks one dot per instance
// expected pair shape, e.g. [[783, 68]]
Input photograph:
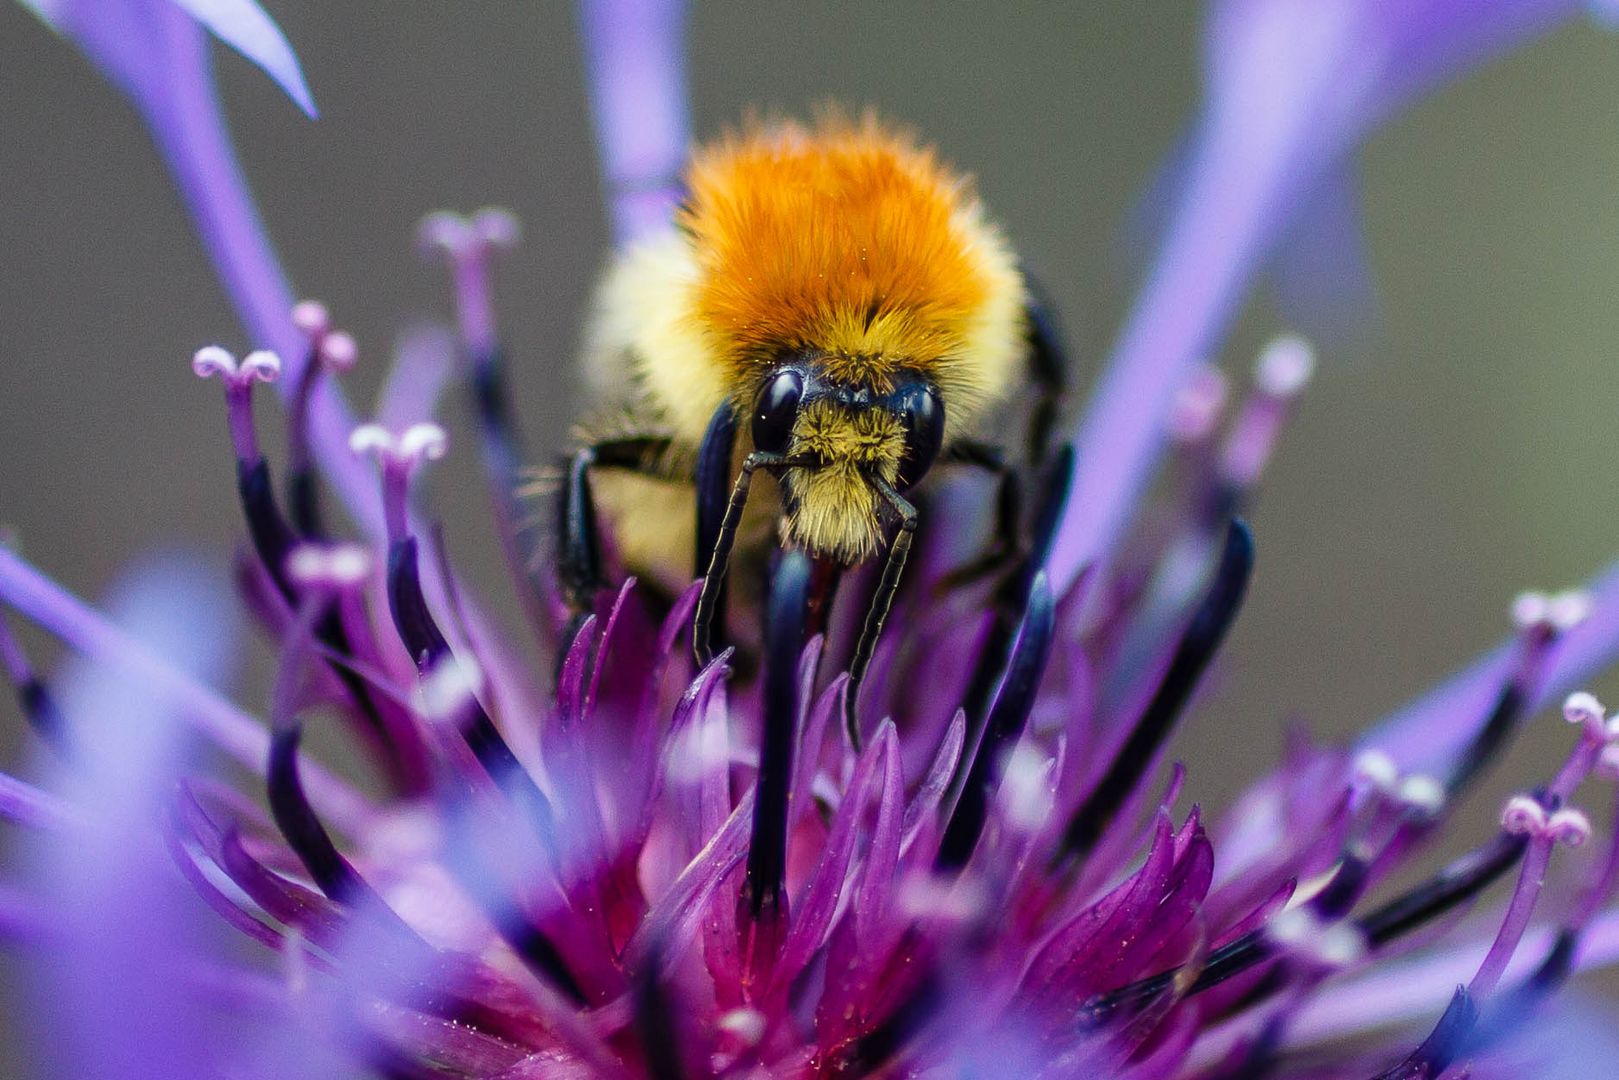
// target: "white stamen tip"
[[1607, 765], [311, 317], [338, 351], [1285, 367], [448, 688], [1568, 609], [1332, 944], [444, 232], [1523, 816], [261, 364], [211, 360], [371, 439], [1530, 609], [1569, 826], [423, 441], [1423, 793], [928, 897], [746, 1024], [1375, 769], [335, 566], [1293, 926], [1585, 710], [497, 227], [1026, 788]]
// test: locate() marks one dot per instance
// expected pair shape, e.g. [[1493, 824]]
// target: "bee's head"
[[852, 433]]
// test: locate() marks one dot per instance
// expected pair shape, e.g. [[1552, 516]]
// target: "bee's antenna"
[[702, 624], [881, 601]]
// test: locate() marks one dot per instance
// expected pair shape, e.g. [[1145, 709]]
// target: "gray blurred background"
[[1464, 451]]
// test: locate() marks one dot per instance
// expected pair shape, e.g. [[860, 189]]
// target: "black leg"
[[702, 627], [1006, 543], [1048, 373], [713, 496], [882, 600], [579, 569]]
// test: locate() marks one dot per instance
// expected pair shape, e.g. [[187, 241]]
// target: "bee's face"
[[852, 433]]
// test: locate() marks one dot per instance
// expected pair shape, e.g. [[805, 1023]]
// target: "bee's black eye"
[[776, 410], [918, 406]]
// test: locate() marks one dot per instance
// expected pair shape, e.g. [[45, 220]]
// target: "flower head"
[[591, 854]]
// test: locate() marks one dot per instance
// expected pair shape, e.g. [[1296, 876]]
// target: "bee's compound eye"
[[923, 414], [776, 410]]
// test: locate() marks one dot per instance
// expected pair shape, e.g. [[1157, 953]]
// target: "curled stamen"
[[1540, 619], [399, 455], [1525, 816], [329, 350], [1585, 710], [467, 243], [238, 377], [1528, 816]]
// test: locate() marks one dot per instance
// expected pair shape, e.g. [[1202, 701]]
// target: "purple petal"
[[635, 53], [157, 54], [1291, 88], [245, 27], [128, 925], [35, 596]]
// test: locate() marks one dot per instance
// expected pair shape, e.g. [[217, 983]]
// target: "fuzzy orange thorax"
[[843, 238]]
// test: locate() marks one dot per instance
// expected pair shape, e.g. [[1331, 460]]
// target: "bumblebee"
[[832, 313]]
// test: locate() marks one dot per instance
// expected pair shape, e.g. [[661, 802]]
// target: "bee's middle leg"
[[1006, 541], [579, 556]]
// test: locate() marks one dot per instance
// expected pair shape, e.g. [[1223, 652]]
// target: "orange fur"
[[845, 239]]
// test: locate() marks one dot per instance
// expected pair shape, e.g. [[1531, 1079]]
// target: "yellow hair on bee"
[[836, 506], [841, 244], [845, 238]]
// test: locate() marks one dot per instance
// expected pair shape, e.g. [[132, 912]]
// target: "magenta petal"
[[815, 905]]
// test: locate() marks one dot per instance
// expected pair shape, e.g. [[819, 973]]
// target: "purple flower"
[[580, 855]]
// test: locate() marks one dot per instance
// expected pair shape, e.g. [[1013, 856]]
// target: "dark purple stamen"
[[1196, 648], [713, 483], [502, 450], [1344, 890], [1011, 600], [1491, 739], [1457, 883], [877, 1046], [428, 649], [37, 704], [1442, 1046], [274, 540], [303, 830], [1007, 719], [785, 618], [655, 1020]]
